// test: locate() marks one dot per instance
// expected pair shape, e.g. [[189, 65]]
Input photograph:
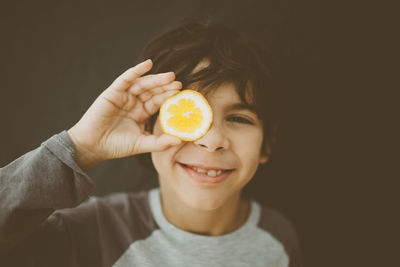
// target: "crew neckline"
[[178, 233]]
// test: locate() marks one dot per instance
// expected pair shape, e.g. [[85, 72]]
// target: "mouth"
[[208, 176]]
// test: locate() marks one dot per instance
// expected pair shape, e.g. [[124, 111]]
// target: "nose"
[[214, 140]]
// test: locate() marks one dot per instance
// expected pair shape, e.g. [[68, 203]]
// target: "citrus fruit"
[[186, 115]]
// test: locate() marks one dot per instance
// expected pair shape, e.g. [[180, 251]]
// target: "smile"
[[210, 176]]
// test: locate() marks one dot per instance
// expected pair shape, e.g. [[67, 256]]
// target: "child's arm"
[[113, 126], [52, 176], [35, 185]]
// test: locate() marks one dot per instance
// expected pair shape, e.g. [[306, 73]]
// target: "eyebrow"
[[241, 106]]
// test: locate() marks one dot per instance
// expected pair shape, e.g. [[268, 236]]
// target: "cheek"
[[249, 149], [163, 161], [156, 159]]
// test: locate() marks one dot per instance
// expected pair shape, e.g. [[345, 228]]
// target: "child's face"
[[230, 143]]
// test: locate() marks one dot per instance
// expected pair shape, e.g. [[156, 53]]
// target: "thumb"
[[152, 143], [164, 141]]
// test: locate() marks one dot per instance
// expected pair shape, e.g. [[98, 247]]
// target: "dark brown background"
[[333, 174]]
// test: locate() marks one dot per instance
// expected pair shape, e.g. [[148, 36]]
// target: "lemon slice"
[[186, 115]]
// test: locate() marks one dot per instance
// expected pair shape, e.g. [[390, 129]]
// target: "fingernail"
[[147, 61]]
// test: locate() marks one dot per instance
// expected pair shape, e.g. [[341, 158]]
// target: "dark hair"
[[233, 57]]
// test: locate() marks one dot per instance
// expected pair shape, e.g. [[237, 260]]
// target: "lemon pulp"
[[186, 115]]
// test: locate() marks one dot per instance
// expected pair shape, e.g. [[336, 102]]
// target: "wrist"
[[85, 157]]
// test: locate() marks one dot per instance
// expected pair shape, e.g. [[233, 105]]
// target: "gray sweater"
[[47, 218]]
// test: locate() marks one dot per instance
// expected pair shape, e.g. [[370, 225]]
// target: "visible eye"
[[239, 119]]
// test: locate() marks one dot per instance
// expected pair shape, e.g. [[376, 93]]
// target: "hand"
[[113, 126]]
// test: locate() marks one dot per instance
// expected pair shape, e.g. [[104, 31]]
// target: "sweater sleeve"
[[35, 185]]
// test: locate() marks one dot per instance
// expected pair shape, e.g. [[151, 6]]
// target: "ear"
[[265, 155], [263, 159]]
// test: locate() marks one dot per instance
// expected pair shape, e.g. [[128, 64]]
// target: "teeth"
[[200, 170], [212, 173]]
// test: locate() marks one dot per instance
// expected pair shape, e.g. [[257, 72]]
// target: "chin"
[[202, 200]]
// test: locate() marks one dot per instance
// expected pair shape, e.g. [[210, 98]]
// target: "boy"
[[184, 222]]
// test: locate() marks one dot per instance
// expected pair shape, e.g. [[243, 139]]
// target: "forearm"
[[36, 184]]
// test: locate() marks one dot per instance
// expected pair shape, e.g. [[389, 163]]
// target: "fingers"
[[132, 81], [151, 81], [125, 80], [152, 143], [145, 96], [154, 104]]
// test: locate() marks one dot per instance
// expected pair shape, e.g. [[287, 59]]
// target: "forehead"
[[204, 63], [225, 95]]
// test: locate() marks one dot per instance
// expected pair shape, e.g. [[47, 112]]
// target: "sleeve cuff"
[[63, 148]]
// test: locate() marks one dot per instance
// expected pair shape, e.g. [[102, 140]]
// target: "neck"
[[225, 219]]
